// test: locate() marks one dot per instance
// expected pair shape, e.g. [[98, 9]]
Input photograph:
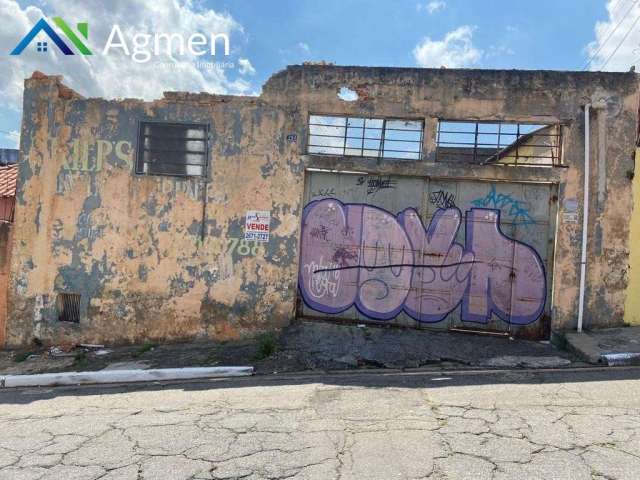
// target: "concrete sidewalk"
[[611, 346], [302, 346]]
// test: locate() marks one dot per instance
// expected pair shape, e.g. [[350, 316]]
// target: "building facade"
[[431, 198]]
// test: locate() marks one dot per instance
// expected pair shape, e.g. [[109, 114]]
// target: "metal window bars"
[[365, 137], [499, 143], [175, 149], [68, 306]]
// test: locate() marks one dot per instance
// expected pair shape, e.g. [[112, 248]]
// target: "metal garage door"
[[427, 252]]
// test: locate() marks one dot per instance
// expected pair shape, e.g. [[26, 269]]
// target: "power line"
[[611, 32], [621, 42], [622, 19], [618, 2]]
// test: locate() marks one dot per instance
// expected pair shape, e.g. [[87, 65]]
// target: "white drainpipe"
[[585, 216]]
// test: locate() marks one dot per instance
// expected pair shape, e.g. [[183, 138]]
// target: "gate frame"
[[543, 330]]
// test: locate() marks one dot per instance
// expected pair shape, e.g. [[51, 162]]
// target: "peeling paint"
[[86, 223]]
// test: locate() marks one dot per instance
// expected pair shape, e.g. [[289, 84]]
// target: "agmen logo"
[[42, 46]]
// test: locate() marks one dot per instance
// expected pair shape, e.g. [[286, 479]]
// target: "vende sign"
[[256, 226]]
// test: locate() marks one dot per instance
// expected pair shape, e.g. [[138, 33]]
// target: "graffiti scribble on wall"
[[442, 199], [377, 183], [324, 192], [511, 206], [364, 256]]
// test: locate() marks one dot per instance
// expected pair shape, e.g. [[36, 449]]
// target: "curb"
[[583, 346], [626, 358], [121, 376]]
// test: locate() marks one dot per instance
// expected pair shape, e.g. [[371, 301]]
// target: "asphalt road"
[[502, 425]]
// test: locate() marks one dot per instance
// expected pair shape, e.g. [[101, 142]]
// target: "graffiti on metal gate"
[[383, 264], [513, 207]]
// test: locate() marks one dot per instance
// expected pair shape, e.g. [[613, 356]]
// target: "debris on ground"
[[303, 346], [58, 352]]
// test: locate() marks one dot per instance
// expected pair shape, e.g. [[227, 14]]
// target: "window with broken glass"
[[391, 138], [499, 143], [175, 149]]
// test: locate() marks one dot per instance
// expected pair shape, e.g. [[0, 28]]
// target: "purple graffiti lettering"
[[319, 232], [508, 277], [383, 265], [384, 242], [436, 291], [343, 257], [329, 291], [358, 235]]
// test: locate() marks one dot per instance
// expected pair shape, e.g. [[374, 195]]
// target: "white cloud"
[[241, 86], [432, 7], [455, 50], [608, 38], [498, 51], [304, 47], [115, 74], [245, 67]]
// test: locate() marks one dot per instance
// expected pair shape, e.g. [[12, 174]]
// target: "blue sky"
[[548, 34], [267, 36]]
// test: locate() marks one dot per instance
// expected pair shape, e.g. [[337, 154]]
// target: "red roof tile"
[[8, 177]]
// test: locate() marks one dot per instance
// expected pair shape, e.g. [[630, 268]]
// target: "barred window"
[[497, 142], [365, 137], [68, 306], [177, 149]]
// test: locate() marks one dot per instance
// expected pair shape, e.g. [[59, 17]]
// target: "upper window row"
[[507, 143], [365, 137], [481, 143], [182, 149]]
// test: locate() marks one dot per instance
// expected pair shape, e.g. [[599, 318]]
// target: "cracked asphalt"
[[569, 424]]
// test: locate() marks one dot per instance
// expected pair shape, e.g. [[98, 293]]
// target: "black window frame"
[[499, 148], [140, 149], [381, 150]]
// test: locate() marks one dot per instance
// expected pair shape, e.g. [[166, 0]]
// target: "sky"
[[266, 36]]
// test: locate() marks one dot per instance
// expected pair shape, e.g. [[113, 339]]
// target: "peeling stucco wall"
[[133, 245], [525, 96]]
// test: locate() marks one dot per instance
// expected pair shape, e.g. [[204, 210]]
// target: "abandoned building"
[[429, 198]]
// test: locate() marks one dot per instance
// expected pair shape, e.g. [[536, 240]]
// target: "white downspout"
[[585, 216]]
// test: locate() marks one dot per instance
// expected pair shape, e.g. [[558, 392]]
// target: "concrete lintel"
[[436, 170]]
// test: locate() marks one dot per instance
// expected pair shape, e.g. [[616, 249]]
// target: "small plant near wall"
[[80, 358], [267, 346], [146, 347], [21, 357]]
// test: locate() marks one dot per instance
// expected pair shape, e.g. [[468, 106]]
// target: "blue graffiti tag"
[[512, 207]]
